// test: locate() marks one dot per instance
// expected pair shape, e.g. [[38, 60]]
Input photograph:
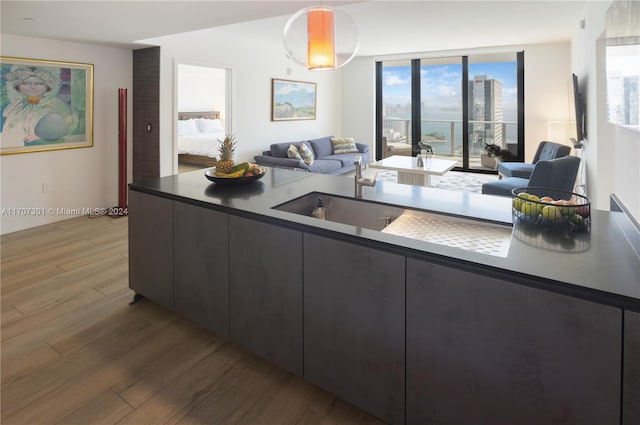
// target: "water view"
[[492, 99]]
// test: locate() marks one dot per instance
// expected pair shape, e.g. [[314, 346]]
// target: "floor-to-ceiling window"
[[441, 106], [492, 104], [457, 105], [396, 108]]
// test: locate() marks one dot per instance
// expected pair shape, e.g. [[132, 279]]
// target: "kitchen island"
[[411, 331]]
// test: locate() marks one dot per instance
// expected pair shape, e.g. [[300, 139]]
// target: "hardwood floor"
[[75, 352]]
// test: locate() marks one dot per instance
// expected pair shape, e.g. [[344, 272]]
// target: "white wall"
[[80, 178], [253, 64], [611, 153], [359, 101], [547, 71], [201, 89]]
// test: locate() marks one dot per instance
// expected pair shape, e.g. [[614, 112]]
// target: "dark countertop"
[[600, 266]]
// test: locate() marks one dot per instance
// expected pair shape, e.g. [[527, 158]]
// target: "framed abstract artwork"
[[292, 100], [46, 105]]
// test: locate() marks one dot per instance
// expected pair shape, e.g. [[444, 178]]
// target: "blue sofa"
[[545, 152], [325, 161], [559, 173]]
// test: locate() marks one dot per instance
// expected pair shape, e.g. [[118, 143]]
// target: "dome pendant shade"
[[321, 38], [321, 50]]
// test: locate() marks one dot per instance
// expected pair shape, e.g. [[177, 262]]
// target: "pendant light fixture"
[[321, 38]]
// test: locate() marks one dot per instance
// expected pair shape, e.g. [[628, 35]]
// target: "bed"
[[198, 135]]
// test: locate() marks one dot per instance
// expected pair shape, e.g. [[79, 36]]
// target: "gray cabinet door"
[[151, 247], [354, 300], [201, 266], [631, 395], [485, 351], [265, 291]]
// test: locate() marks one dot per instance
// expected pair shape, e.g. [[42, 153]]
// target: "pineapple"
[[226, 149]]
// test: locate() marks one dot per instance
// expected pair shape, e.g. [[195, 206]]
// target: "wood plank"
[[121, 322], [63, 287], [143, 383], [92, 255], [233, 398], [115, 281], [51, 324], [9, 314], [28, 362], [52, 251], [185, 393], [19, 279], [105, 408], [285, 405]]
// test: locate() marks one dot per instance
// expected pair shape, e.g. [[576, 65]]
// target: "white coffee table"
[[410, 173]]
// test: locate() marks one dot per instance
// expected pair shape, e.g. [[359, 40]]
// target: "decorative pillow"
[[344, 145], [306, 153], [205, 125], [187, 127], [293, 153], [321, 146]]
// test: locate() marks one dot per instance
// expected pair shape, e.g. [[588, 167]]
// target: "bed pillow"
[[306, 153], [206, 125], [344, 145], [187, 127], [293, 153]]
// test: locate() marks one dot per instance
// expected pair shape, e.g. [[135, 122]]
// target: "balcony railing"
[[397, 134]]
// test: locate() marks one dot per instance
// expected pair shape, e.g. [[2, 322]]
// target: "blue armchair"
[[559, 173], [545, 152]]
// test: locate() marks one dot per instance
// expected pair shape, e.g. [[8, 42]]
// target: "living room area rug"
[[453, 180]]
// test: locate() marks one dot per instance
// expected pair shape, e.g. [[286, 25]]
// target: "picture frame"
[[45, 105], [293, 100]]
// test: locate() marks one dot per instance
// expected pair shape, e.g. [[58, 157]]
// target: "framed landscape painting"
[[292, 100], [45, 105]]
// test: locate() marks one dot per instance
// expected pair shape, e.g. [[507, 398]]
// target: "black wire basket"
[[551, 210]]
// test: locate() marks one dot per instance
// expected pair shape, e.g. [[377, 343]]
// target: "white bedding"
[[204, 144]]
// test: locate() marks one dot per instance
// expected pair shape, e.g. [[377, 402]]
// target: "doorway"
[[203, 114]]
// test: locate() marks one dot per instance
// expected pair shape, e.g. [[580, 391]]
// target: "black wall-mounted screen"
[[577, 109]]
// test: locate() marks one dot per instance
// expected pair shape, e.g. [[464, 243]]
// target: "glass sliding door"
[[492, 107], [457, 105], [396, 108], [441, 106]]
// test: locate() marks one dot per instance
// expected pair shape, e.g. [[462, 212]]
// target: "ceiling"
[[385, 27]]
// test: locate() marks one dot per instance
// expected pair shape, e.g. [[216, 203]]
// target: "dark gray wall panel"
[[631, 403], [146, 112], [151, 247], [265, 288], [201, 265], [485, 351], [354, 324]]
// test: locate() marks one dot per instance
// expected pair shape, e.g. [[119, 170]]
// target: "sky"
[[440, 84]]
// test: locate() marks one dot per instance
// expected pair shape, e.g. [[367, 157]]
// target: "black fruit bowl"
[[210, 174], [553, 210]]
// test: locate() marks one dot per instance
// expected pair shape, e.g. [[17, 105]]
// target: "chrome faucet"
[[362, 181]]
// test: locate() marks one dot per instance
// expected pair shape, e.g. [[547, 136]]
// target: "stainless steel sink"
[[354, 212], [457, 232]]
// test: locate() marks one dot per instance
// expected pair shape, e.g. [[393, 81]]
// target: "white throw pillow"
[[306, 153], [344, 145], [187, 127], [209, 126], [293, 153]]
